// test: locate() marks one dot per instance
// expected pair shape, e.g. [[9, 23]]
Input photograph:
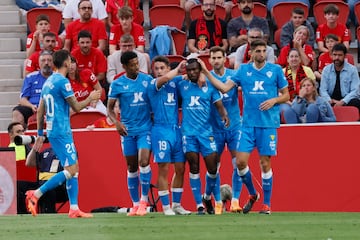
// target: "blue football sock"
[[236, 184], [176, 194], [209, 184], [267, 181], [133, 186], [195, 184], [164, 197], [145, 178], [246, 177], [216, 188], [72, 187], [53, 182]]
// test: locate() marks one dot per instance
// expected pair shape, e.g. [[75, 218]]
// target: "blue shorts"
[[205, 145], [131, 145], [265, 139], [166, 144], [65, 150], [230, 138]]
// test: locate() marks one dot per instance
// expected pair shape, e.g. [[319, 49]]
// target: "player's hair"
[[84, 34], [194, 60], [127, 38], [298, 10], [215, 49], [49, 34], [11, 126], [126, 57], [81, 1], [162, 59], [257, 43], [59, 57], [42, 17], [332, 36], [339, 47], [125, 12], [331, 8]]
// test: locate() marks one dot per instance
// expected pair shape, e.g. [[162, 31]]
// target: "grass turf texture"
[[314, 226]]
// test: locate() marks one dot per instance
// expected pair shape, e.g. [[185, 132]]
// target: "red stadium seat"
[[54, 16], [259, 10], [281, 12], [138, 16], [179, 38], [196, 12], [83, 119], [277, 35], [175, 58], [346, 114], [172, 15], [165, 2], [318, 10], [357, 11]]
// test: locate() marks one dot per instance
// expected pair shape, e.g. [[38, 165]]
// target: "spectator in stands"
[[331, 14], [297, 19], [30, 4], [34, 41], [340, 80], [83, 83], [105, 122], [47, 165], [71, 13], [307, 54], [352, 15], [237, 27], [86, 22], [25, 177], [31, 89], [325, 58], [295, 72], [308, 106], [89, 57], [243, 54], [112, 7], [207, 31], [126, 25], [271, 3], [49, 45], [114, 65]]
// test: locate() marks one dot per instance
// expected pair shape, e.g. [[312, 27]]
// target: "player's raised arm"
[[170, 75], [78, 106], [222, 87]]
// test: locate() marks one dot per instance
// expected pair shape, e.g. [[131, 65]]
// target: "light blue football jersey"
[[54, 93], [164, 102], [259, 85], [196, 107], [231, 103], [132, 95]]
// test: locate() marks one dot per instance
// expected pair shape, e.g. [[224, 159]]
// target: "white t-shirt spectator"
[[71, 9]]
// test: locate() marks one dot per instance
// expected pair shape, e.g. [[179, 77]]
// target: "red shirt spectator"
[[282, 59], [137, 32], [83, 89], [325, 59], [112, 7], [94, 26], [340, 30], [30, 38], [95, 60]]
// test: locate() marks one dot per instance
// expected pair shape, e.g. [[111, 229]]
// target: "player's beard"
[[246, 10]]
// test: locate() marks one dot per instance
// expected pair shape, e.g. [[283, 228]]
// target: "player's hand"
[[121, 129], [95, 95], [203, 66], [181, 67], [226, 121], [38, 143], [266, 105]]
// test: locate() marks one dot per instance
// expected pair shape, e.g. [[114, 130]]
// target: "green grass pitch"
[[279, 226]]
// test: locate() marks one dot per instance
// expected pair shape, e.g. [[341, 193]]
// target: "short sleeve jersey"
[[132, 95], [54, 93], [30, 39], [340, 30], [196, 107], [231, 104], [164, 102], [94, 61], [137, 32], [259, 85]]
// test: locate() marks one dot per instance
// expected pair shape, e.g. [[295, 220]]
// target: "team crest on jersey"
[[68, 87], [269, 74], [211, 138], [161, 155], [272, 137], [205, 89], [90, 64], [145, 83], [73, 156], [172, 84]]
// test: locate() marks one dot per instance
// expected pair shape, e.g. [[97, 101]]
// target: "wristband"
[[40, 132]]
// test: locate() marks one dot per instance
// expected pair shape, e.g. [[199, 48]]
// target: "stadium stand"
[[259, 10], [196, 12], [318, 10], [54, 15], [346, 114], [281, 12]]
